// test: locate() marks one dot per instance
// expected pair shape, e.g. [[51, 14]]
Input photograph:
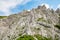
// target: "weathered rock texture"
[[36, 21]]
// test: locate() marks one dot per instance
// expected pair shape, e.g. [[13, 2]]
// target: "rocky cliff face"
[[36, 21]]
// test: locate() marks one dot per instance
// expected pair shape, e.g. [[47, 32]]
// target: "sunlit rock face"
[[58, 12], [36, 21]]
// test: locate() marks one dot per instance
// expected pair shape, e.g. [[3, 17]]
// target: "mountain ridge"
[[36, 21]]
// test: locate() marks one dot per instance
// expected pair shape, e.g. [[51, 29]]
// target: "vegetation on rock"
[[30, 37], [1, 17], [58, 26], [26, 37]]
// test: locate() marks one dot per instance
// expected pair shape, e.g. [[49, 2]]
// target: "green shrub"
[[29, 37], [26, 37], [56, 37], [39, 19], [58, 26], [38, 28], [2, 17], [40, 37]]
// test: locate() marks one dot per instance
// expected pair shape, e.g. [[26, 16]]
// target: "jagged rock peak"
[[44, 6], [57, 10]]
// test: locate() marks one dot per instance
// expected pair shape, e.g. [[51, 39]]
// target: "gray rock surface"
[[36, 21]]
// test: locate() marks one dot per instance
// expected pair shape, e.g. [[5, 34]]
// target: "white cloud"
[[58, 6], [47, 6], [5, 5]]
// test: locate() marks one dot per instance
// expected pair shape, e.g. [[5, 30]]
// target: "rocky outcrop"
[[36, 21]]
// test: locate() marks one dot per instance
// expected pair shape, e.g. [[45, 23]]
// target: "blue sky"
[[8, 7]]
